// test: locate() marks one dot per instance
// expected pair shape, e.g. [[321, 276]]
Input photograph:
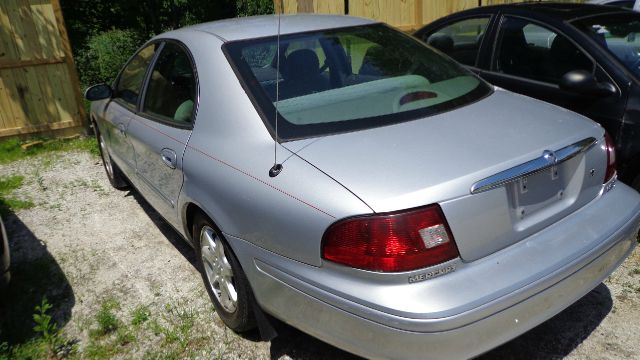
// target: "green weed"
[[140, 315], [7, 203], [11, 150]]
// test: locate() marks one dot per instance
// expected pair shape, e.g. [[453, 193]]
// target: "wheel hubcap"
[[217, 269], [106, 159]]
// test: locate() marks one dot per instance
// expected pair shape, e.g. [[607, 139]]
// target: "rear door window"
[[171, 93], [460, 40], [532, 51]]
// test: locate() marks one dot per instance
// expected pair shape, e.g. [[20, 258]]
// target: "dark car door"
[[463, 39], [531, 58], [160, 131]]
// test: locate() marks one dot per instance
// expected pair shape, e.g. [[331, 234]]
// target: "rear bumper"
[[316, 305]]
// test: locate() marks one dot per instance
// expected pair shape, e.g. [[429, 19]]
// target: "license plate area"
[[537, 191]]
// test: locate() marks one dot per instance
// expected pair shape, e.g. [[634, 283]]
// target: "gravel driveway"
[[99, 252]]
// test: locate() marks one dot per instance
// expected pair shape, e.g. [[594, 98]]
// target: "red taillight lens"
[[392, 242], [611, 158]]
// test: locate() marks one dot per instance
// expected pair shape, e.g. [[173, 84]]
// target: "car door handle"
[[169, 158], [122, 129]]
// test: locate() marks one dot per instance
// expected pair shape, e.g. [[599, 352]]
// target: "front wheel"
[[223, 277], [114, 174]]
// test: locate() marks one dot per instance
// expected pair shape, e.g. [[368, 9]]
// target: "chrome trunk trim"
[[545, 161]]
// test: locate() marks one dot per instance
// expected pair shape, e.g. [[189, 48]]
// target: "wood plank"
[[31, 35], [73, 74], [39, 128], [17, 107], [37, 109], [8, 48], [30, 62], [329, 7], [305, 6], [56, 42], [44, 28]]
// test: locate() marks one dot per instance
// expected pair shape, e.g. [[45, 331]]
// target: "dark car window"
[[619, 34], [349, 79], [171, 93], [130, 81], [532, 51], [460, 40]]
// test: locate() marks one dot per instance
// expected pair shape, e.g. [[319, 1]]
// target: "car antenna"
[[277, 168]]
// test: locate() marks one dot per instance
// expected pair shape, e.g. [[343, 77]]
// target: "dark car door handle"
[[169, 158], [122, 129]]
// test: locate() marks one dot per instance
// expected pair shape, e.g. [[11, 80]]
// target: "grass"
[[7, 203], [11, 150]]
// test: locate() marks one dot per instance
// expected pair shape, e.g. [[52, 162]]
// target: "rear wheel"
[[223, 277], [114, 174]]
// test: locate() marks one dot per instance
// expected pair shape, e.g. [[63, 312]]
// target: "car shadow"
[[35, 275], [560, 335], [167, 230]]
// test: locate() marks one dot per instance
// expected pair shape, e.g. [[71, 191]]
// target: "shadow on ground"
[[560, 335], [167, 230], [35, 274], [554, 338]]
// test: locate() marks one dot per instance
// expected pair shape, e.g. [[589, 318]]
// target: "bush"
[[105, 54], [254, 7]]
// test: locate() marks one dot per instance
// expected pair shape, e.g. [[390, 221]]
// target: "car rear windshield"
[[619, 34], [348, 79]]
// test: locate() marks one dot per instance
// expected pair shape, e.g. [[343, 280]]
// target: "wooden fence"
[[403, 14], [39, 87]]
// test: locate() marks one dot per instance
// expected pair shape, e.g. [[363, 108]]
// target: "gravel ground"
[[108, 249]]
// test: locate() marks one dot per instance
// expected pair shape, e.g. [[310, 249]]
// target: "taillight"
[[611, 158], [391, 242]]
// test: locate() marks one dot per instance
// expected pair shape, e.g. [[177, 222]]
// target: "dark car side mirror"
[[98, 92], [583, 82]]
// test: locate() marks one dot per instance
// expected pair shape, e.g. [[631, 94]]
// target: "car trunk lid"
[[447, 158]]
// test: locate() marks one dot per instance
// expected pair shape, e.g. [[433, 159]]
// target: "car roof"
[[560, 11], [267, 25]]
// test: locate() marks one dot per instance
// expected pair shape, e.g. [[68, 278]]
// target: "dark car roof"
[[560, 11]]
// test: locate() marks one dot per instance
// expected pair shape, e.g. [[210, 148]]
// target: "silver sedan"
[[342, 177]]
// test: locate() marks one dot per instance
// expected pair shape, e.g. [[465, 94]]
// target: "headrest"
[[301, 63]]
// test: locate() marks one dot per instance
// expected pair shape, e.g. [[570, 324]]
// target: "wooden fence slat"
[[39, 87]]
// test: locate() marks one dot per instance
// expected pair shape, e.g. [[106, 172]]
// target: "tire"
[[114, 174], [223, 277]]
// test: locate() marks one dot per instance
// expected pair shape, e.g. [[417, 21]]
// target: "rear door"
[[161, 130], [530, 58]]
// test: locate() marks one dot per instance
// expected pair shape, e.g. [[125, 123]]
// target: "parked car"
[[629, 4], [5, 275], [358, 185], [582, 57]]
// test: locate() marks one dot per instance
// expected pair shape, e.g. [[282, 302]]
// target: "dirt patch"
[[124, 285]]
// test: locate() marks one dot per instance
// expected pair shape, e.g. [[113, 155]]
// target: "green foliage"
[[10, 150], [254, 7], [7, 185], [105, 54], [140, 315], [106, 319], [45, 326]]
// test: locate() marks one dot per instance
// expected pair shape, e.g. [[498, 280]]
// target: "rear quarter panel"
[[226, 166]]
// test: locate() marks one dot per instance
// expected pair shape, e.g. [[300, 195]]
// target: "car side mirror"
[[583, 82], [98, 92], [441, 42]]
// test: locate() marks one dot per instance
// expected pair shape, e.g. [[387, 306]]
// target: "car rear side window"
[[171, 93], [130, 80], [349, 79], [528, 50], [460, 40]]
